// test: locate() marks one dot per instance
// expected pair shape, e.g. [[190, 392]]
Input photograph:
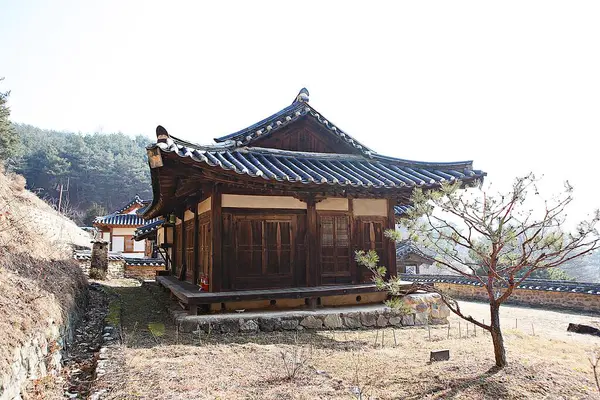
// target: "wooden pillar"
[[195, 263], [313, 274], [165, 245], [183, 261], [216, 279], [391, 245], [174, 250]]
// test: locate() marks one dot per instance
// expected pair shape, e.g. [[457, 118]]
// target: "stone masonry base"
[[420, 309]]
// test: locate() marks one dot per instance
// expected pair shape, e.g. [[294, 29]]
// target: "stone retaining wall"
[[419, 309], [556, 294], [42, 354]]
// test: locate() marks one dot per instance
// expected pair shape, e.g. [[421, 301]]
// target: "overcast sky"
[[514, 86]]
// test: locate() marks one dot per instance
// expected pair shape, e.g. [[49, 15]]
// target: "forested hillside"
[[102, 171]]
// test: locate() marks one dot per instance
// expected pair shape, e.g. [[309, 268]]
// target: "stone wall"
[[142, 271], [42, 354], [419, 309], [556, 294], [116, 268]]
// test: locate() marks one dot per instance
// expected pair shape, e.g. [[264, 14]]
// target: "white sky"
[[515, 86]]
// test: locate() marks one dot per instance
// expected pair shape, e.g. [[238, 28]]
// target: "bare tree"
[[498, 240]]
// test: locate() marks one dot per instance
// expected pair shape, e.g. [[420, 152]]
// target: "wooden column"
[[216, 279], [174, 250], [391, 245], [183, 261], [196, 272], [313, 275]]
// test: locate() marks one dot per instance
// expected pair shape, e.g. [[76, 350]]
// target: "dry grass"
[[39, 281], [553, 364]]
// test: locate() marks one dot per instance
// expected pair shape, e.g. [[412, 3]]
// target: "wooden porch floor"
[[189, 294]]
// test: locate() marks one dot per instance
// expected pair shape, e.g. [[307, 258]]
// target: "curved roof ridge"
[[296, 110]]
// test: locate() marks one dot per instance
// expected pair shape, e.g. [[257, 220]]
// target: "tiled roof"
[[530, 284], [122, 219], [136, 200], [143, 231], [146, 262], [406, 247], [323, 168], [87, 255], [399, 211], [296, 110]]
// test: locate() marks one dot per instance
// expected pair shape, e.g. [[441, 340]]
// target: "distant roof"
[[120, 219], [87, 255], [405, 248], [135, 201], [148, 262]]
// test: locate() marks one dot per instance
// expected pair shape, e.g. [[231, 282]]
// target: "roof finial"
[[161, 134], [302, 96]]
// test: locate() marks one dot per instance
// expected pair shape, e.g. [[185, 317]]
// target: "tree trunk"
[[497, 339]]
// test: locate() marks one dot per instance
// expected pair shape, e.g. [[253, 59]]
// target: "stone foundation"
[[420, 309]]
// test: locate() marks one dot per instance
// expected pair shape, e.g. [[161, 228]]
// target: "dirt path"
[[158, 363]]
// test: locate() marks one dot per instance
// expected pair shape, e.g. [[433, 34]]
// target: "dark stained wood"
[[305, 135], [370, 236], [313, 275], [189, 240], [182, 261], [262, 251], [334, 247], [196, 247], [204, 252], [391, 245], [216, 279], [353, 246], [300, 272], [189, 294]]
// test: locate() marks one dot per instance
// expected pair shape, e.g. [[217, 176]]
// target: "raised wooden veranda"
[[194, 300]]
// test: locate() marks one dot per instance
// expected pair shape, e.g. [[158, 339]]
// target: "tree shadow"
[[145, 322], [496, 390]]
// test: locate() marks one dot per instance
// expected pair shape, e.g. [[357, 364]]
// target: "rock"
[[332, 321], [421, 318], [249, 326], [368, 318], [289, 324], [382, 321], [311, 322], [269, 324], [439, 311], [229, 326], [395, 320], [408, 320], [352, 320]]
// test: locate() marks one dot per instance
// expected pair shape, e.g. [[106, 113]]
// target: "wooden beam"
[[216, 279], [313, 275]]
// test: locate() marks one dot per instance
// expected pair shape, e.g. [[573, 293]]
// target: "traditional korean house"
[[118, 229], [274, 213]]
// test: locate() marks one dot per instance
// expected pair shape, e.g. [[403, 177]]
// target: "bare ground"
[[162, 364]]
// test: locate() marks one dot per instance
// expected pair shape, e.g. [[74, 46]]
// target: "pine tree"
[[9, 141]]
